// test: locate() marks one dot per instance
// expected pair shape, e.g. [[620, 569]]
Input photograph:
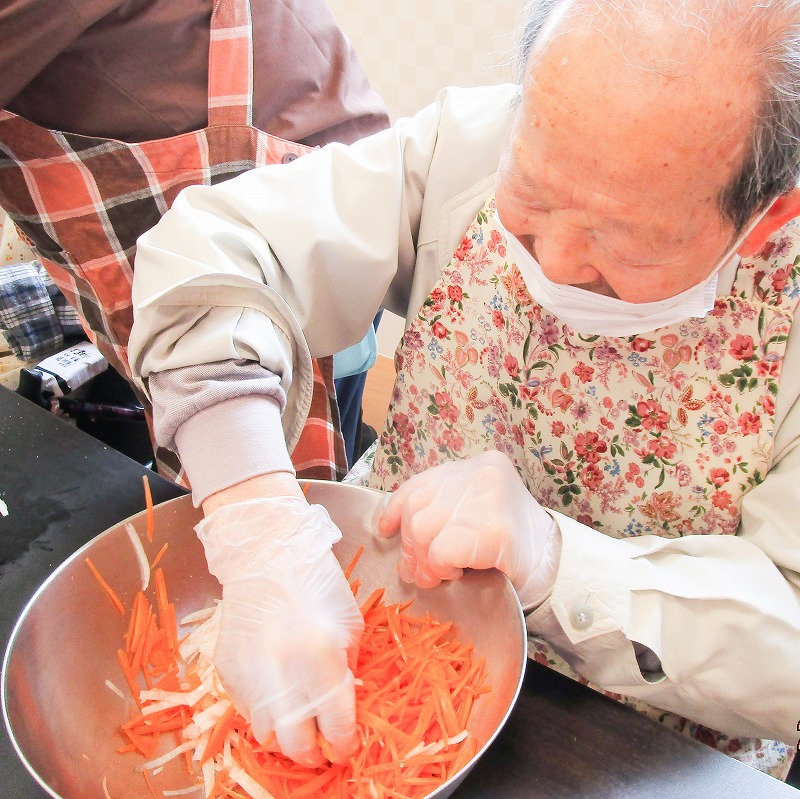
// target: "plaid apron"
[[83, 202]]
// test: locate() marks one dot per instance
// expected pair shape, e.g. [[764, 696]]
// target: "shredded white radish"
[[206, 719], [159, 761], [156, 771], [182, 791], [200, 750], [209, 777], [105, 788], [141, 557], [116, 690], [162, 700], [240, 776], [199, 615]]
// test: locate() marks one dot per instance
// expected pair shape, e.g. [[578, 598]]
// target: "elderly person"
[[598, 271]]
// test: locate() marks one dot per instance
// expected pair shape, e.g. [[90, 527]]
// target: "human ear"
[[786, 207]]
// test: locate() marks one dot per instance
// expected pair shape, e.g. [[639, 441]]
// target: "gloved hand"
[[477, 514], [290, 624]]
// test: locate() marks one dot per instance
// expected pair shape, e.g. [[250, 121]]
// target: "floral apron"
[[658, 434], [83, 201]]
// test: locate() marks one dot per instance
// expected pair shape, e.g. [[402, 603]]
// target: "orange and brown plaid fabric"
[[83, 202]]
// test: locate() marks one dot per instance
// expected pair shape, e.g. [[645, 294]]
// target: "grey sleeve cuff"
[[224, 421], [230, 442], [179, 394]]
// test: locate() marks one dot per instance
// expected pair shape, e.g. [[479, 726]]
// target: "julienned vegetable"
[[415, 687]]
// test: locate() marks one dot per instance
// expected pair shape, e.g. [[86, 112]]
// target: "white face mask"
[[596, 314]]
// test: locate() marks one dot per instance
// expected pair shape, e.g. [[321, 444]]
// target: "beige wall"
[[413, 48]]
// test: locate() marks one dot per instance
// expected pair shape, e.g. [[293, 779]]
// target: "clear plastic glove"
[[477, 514], [290, 626]]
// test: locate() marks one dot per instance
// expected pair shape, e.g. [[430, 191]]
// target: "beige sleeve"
[[291, 261]]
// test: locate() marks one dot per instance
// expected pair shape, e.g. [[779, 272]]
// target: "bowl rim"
[[444, 790]]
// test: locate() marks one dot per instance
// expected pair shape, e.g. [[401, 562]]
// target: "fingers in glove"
[[336, 719], [299, 742]]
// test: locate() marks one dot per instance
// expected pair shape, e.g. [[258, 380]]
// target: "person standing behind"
[[113, 106]]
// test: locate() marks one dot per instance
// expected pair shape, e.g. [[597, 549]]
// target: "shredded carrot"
[[151, 517], [158, 557], [106, 587], [415, 687]]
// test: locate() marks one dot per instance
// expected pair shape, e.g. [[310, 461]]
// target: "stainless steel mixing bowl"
[[63, 718]]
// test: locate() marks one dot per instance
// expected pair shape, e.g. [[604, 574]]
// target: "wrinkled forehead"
[[623, 85]]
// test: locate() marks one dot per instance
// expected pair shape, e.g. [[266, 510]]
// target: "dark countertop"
[[563, 741]]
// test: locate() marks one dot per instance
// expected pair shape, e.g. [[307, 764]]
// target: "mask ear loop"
[[725, 260]]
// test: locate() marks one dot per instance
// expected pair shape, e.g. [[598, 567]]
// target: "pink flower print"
[[585, 518], [767, 250], [447, 409], [654, 417], [498, 319], [590, 446], [592, 476], [674, 351], [558, 429], [780, 277], [561, 399], [512, 365], [403, 425], [583, 371], [742, 347], [501, 250], [515, 286], [549, 334], [581, 410], [453, 440], [683, 474], [634, 475], [529, 425], [662, 448], [517, 435], [455, 293], [749, 423], [437, 298], [640, 344], [530, 390], [720, 426], [768, 368], [492, 353], [473, 404], [719, 476], [661, 507], [688, 404], [464, 354], [439, 330], [412, 339], [721, 499], [494, 239], [463, 249], [768, 404]]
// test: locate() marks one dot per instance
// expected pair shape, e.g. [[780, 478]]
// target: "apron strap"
[[230, 64]]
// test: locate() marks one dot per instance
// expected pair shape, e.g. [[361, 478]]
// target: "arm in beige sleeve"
[[719, 616], [288, 261]]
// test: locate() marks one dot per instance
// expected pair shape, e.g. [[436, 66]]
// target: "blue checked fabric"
[[34, 315]]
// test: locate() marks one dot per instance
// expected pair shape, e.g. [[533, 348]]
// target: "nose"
[[564, 260]]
